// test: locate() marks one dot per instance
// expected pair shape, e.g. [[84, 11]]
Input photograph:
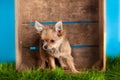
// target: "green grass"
[[8, 72]]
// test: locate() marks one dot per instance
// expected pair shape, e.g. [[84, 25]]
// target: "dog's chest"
[[55, 53]]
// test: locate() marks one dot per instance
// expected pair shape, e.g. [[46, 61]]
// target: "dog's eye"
[[43, 40], [52, 41]]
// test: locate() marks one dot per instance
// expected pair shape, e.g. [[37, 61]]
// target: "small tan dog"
[[54, 45]]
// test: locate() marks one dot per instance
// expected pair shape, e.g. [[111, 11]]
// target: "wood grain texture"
[[83, 34], [86, 57], [102, 35], [30, 59], [65, 10], [102, 32], [18, 34], [30, 36], [54, 10]]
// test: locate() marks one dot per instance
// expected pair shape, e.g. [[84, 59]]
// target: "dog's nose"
[[45, 47]]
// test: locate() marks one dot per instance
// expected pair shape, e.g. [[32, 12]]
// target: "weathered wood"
[[18, 34], [83, 34], [30, 59], [65, 10], [102, 33], [85, 57], [29, 36], [54, 10]]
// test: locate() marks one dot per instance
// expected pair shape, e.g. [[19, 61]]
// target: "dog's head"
[[52, 36]]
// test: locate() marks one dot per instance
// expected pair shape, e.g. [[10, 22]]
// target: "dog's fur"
[[54, 45]]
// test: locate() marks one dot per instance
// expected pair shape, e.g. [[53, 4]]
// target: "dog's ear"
[[59, 28], [39, 27]]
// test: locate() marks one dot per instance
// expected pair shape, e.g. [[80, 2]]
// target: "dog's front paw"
[[53, 69], [42, 68], [75, 71], [65, 67]]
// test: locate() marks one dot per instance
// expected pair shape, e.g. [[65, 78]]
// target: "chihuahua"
[[54, 45]]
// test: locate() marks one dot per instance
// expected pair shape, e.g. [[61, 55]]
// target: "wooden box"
[[84, 21]]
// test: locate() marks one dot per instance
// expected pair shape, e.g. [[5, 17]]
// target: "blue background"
[[7, 29]]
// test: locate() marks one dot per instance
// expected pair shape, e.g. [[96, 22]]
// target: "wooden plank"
[[85, 57], [67, 10], [102, 35], [32, 23], [18, 34], [30, 59], [29, 36], [83, 34]]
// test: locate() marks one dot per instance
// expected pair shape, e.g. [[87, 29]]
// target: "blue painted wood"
[[32, 48], [84, 46], [66, 22]]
